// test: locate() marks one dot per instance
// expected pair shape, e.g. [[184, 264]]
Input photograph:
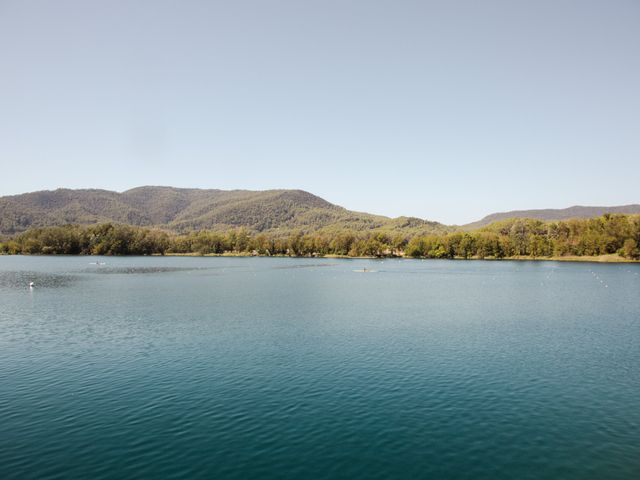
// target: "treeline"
[[609, 234], [104, 239], [112, 239]]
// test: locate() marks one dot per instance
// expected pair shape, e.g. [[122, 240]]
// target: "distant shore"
[[608, 239], [611, 258]]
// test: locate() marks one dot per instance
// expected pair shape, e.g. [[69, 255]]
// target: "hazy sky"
[[444, 110]]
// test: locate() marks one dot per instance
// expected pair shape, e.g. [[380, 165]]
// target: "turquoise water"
[[304, 368]]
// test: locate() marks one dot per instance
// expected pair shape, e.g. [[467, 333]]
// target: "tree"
[[630, 249]]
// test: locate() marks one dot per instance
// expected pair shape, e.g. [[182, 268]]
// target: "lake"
[[235, 368]]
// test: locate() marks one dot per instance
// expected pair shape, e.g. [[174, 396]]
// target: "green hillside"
[[554, 214], [184, 210]]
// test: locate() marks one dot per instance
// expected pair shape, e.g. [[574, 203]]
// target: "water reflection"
[[139, 270], [23, 279], [311, 265]]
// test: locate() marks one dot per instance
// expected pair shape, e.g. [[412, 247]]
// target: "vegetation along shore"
[[609, 238]]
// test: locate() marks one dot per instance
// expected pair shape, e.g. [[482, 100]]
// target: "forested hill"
[[551, 214], [183, 210]]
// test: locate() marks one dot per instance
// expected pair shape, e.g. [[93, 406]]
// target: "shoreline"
[[610, 258]]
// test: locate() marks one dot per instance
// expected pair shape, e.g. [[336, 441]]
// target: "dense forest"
[[554, 214], [183, 210], [274, 212], [609, 234]]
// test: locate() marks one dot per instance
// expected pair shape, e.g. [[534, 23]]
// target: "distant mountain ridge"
[[186, 209], [576, 211], [274, 211]]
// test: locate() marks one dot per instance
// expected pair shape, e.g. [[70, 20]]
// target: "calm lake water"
[[304, 368]]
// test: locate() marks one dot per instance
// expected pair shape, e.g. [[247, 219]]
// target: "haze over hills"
[[182, 210], [576, 211]]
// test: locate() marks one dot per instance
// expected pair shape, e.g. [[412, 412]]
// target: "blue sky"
[[444, 110]]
